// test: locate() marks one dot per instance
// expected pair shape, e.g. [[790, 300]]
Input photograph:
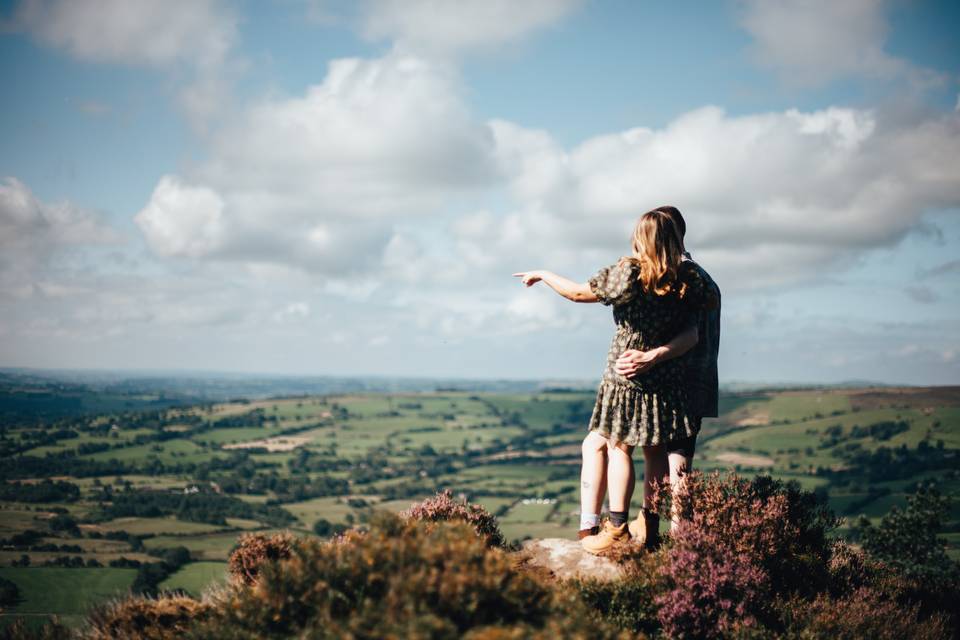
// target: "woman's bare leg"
[[656, 470], [593, 478], [620, 483], [680, 465], [620, 476]]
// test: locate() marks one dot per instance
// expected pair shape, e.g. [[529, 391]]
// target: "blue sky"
[[320, 187]]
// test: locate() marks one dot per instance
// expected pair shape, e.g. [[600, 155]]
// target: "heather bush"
[[443, 508], [864, 613], [852, 570], [849, 569], [399, 579], [255, 549], [139, 618], [741, 544]]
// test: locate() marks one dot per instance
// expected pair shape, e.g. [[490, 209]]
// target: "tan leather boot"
[[645, 529], [609, 535]]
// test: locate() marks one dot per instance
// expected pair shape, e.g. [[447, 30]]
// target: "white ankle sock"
[[589, 520]]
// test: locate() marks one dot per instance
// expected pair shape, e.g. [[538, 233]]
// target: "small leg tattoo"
[[585, 484]]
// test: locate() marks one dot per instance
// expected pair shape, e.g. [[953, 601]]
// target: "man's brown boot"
[[609, 535], [646, 529]]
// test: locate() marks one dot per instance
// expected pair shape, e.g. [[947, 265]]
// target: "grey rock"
[[566, 559]]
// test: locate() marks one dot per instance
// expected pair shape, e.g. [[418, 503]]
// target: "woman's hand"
[[632, 362], [530, 278], [569, 289]]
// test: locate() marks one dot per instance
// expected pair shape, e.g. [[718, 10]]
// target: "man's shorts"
[[684, 446]]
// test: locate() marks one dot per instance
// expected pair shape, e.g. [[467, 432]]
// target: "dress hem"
[[638, 417]]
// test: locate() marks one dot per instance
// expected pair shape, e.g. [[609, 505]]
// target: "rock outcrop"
[[566, 559]]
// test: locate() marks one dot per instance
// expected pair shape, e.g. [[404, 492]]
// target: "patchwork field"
[[93, 501]]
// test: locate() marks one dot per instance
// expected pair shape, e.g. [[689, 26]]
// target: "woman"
[[655, 296]]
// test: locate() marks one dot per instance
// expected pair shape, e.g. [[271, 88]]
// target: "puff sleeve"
[[616, 284]]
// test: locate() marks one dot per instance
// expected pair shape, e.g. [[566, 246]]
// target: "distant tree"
[[325, 528], [908, 539], [176, 557], [9, 593], [149, 577], [46, 491], [64, 523]]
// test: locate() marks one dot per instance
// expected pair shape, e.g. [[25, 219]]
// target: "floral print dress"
[[654, 407]]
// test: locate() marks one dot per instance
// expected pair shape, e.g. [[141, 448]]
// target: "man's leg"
[[593, 481], [680, 457], [656, 470]]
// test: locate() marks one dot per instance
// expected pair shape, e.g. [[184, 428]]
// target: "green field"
[[309, 511], [68, 593], [169, 451], [157, 526], [196, 576]]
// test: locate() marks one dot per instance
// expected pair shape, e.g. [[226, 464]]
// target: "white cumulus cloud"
[[34, 233], [317, 181], [194, 35], [182, 220], [814, 41], [437, 26], [151, 32], [769, 197]]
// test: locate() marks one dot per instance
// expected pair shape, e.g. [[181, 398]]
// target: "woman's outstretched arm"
[[576, 291]]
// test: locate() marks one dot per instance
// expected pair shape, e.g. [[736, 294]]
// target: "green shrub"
[[907, 544], [907, 539]]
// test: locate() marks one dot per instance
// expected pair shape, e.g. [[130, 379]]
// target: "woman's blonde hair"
[[658, 250]]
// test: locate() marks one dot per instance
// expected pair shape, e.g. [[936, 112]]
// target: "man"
[[672, 460]]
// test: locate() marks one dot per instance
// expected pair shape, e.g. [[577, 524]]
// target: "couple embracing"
[[660, 380]]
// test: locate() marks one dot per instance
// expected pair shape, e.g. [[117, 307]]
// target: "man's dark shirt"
[[701, 362]]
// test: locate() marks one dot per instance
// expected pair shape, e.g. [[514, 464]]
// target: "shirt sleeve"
[[616, 284], [700, 293]]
